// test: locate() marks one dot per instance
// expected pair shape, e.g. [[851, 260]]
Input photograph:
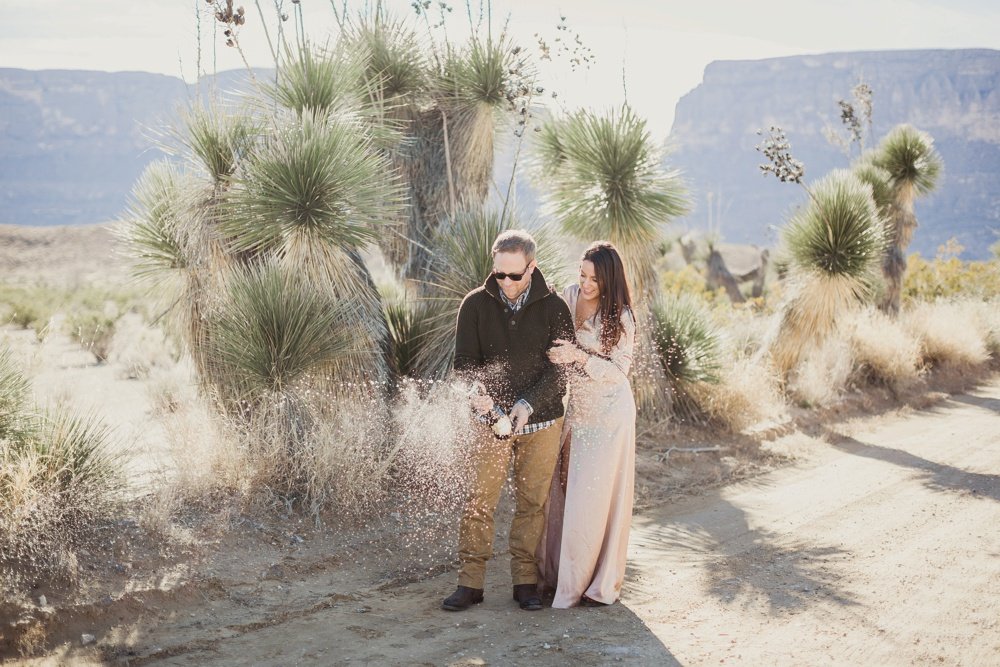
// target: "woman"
[[582, 553]]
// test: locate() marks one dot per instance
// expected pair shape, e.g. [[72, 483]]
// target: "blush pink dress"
[[589, 511]]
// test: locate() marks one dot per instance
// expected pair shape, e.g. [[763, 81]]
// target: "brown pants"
[[534, 459]]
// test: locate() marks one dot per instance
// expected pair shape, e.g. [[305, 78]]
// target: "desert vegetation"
[[306, 252]]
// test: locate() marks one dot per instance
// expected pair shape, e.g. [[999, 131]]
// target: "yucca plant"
[[157, 222], [313, 82], [58, 474], [880, 182], [218, 138], [608, 182], [394, 66], [914, 166], [834, 245], [271, 331], [13, 394], [461, 262], [687, 340], [409, 321], [313, 196], [318, 181]]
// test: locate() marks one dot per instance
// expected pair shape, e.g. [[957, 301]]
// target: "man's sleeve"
[[468, 355], [547, 393]]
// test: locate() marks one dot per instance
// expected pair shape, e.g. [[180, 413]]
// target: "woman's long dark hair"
[[615, 295]]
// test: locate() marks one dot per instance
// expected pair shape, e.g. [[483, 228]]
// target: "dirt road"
[[879, 546]]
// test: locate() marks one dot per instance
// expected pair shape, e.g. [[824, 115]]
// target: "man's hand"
[[481, 404], [519, 415]]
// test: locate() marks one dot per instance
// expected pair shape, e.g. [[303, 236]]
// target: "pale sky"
[[662, 46]]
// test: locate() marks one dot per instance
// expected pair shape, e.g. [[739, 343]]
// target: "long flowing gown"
[[589, 513]]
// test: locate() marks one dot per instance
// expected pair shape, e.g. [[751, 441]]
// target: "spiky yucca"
[[316, 181], [834, 245], [394, 66], [607, 182], [157, 225], [272, 330], [313, 82], [914, 166], [13, 394], [217, 138], [687, 340], [59, 473]]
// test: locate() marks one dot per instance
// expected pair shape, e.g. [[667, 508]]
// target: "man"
[[504, 329]]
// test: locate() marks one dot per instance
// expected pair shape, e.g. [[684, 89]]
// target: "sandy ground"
[[877, 546], [867, 540]]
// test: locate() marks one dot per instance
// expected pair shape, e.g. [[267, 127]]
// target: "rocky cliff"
[[952, 94], [72, 143]]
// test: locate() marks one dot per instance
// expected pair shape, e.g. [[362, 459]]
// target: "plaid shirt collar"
[[519, 303]]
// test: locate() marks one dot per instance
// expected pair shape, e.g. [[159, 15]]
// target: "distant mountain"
[[72, 143], [954, 95]]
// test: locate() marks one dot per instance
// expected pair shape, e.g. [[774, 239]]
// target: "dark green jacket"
[[506, 350]]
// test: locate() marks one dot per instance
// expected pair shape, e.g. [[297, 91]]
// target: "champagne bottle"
[[500, 423]]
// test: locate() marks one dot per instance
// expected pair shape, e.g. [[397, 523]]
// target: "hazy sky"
[[661, 45]]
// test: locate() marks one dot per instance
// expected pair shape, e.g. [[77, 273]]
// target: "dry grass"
[[748, 393], [950, 333], [822, 374], [987, 315], [138, 348], [884, 351]]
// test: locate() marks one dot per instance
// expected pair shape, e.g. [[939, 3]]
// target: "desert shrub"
[[988, 317], [59, 477], [950, 278], [94, 330], [884, 351], [746, 394], [28, 307], [687, 339], [137, 348], [823, 373], [949, 333], [689, 280], [834, 244]]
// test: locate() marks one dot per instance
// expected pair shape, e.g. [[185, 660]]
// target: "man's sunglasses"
[[516, 277]]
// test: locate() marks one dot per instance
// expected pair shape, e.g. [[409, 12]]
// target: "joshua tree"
[[914, 166], [834, 244], [446, 102], [607, 181]]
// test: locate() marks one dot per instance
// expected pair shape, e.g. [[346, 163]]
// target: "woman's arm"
[[615, 366]]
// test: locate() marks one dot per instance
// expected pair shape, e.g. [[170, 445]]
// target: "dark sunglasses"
[[516, 277]]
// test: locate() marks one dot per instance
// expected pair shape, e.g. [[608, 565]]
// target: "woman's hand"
[[565, 352]]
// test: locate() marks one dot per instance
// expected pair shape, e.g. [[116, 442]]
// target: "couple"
[[572, 479]]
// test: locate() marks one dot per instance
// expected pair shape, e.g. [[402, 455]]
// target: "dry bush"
[[60, 480], [330, 466], [137, 348], [884, 351], [950, 333], [748, 393], [822, 375], [987, 314], [94, 331]]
